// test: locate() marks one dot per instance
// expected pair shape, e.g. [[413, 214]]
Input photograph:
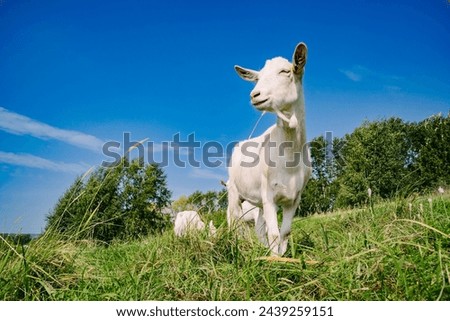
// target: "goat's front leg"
[[285, 231], [273, 234], [260, 228]]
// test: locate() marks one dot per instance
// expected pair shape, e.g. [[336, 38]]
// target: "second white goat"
[[187, 221]]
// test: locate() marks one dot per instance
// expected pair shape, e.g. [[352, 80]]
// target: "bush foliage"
[[125, 201], [391, 157]]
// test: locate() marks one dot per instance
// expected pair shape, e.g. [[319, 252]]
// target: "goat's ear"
[[299, 58], [246, 74]]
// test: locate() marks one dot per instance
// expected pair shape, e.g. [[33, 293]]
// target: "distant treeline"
[[392, 157]]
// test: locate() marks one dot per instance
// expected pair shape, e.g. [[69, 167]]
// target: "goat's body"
[[271, 170], [285, 182], [266, 186]]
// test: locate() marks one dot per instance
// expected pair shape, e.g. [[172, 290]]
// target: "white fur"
[[190, 221], [270, 181], [251, 213]]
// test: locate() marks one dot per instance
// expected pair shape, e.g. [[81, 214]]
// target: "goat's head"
[[277, 83]]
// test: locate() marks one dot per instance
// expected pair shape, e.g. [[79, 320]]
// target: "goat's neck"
[[297, 134]]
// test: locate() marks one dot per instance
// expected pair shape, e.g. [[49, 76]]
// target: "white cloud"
[[351, 75], [21, 125], [206, 174], [32, 161], [359, 73]]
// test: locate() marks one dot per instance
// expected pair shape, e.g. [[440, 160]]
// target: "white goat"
[[190, 221], [272, 170]]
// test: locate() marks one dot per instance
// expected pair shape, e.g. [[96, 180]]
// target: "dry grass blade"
[[137, 144], [285, 260], [426, 226], [11, 247]]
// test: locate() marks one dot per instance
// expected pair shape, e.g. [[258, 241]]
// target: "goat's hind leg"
[[234, 210]]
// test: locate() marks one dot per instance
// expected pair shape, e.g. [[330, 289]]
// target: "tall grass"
[[391, 251]]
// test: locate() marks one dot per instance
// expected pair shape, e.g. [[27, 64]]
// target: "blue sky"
[[76, 74]]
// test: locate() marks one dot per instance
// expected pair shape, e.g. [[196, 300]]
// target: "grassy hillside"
[[393, 251]]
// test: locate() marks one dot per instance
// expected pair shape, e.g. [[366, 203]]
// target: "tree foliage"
[[376, 156], [119, 202], [321, 190], [390, 156], [431, 150], [202, 202]]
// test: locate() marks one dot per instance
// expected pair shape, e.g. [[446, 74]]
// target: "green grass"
[[388, 252]]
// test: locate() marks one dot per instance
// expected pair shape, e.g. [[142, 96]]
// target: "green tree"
[[207, 202], [182, 204], [143, 194], [431, 151], [119, 202], [321, 190], [377, 156], [196, 200]]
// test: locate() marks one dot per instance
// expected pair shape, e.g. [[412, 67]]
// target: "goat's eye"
[[284, 72]]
